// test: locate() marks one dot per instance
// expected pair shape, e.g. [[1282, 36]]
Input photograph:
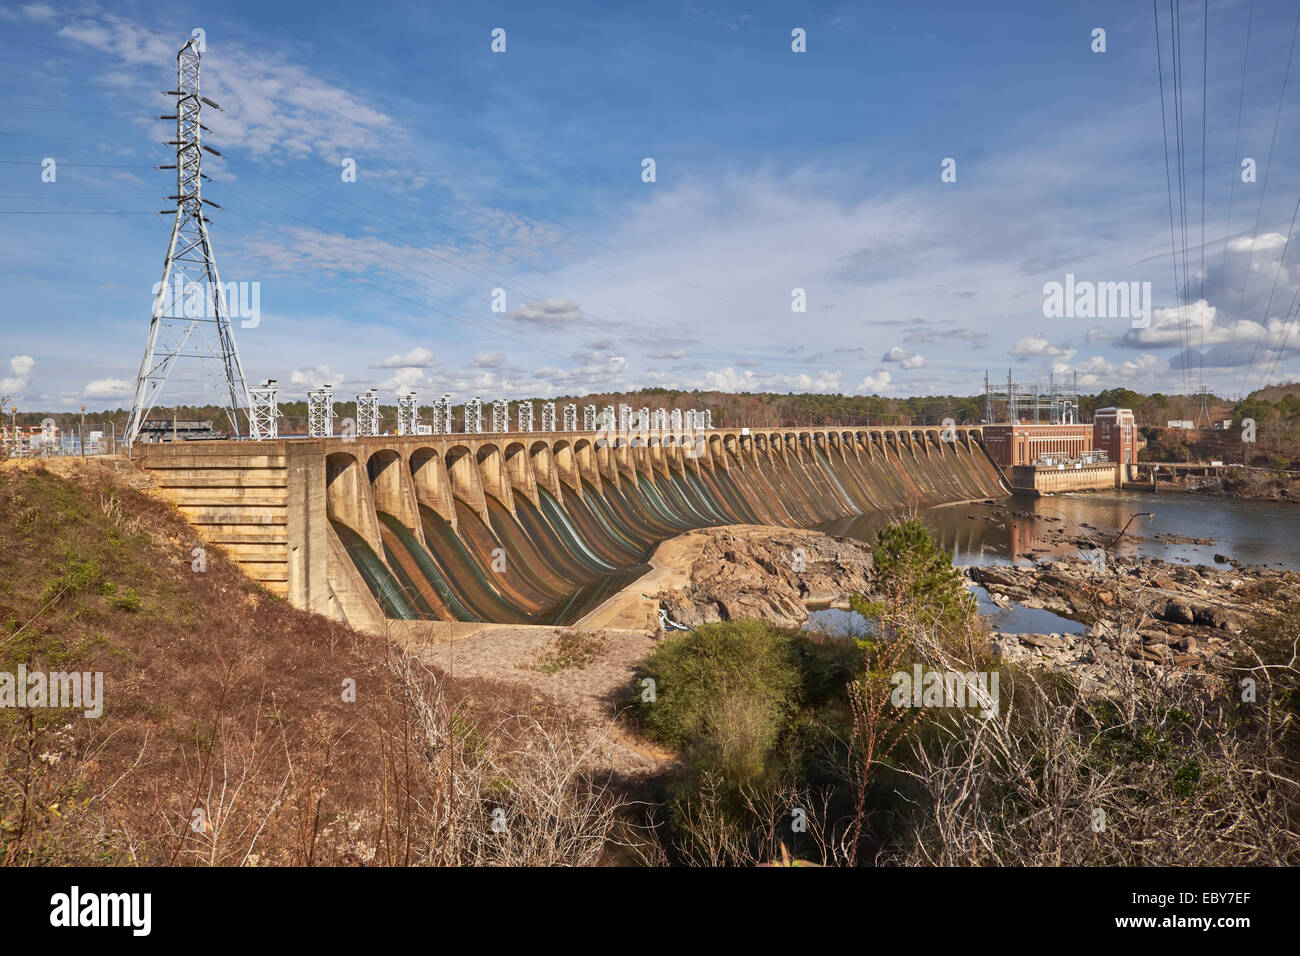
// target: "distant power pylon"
[[190, 298]]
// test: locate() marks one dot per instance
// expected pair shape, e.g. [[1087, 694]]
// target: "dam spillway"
[[528, 527]]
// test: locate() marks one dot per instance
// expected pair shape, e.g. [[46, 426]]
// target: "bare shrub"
[[1168, 776], [518, 795]]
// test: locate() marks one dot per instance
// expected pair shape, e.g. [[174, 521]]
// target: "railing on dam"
[[532, 526]]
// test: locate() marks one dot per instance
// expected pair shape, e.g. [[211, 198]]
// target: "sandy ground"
[[590, 693]]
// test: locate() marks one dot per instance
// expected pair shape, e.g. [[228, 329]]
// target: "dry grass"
[[571, 648], [227, 736]]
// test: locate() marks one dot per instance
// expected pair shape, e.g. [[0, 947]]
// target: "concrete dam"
[[529, 527]]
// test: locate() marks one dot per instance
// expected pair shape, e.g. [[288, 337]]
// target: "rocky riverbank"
[[1188, 619], [1252, 484]]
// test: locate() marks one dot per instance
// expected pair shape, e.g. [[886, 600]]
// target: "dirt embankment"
[[235, 729]]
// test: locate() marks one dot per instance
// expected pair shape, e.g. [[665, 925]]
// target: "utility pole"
[[189, 271], [81, 435]]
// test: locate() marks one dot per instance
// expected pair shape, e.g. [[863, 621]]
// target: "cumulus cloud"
[[309, 378], [418, 357], [106, 388], [1031, 346], [1199, 323], [404, 380], [488, 360], [21, 368], [875, 383], [904, 358], [1144, 371], [1097, 335], [730, 380]]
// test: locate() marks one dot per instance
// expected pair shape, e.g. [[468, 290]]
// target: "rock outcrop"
[[1175, 617], [773, 574]]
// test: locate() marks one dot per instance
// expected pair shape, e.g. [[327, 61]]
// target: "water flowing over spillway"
[[515, 529]]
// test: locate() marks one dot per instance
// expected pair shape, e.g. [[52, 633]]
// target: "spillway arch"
[[618, 496]]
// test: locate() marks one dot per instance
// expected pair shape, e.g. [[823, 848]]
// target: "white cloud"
[[418, 357], [404, 380], [107, 388], [272, 106], [1199, 324], [913, 361], [309, 378], [488, 360], [874, 384], [1037, 345], [21, 366], [730, 380], [1146, 371]]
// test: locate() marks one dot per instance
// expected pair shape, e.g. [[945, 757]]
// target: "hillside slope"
[[225, 736]]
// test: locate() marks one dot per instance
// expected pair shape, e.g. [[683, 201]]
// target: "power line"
[[1205, 65], [1169, 186], [1259, 211]]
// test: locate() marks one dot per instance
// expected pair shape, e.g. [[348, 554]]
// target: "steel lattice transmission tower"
[[263, 413], [368, 413], [189, 269], [474, 416], [408, 414], [320, 412]]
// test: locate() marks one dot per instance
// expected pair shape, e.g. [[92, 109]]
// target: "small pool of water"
[[1018, 619], [1015, 619]]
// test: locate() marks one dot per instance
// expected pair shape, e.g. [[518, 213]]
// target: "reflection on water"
[[1018, 619], [1253, 532], [1015, 619]]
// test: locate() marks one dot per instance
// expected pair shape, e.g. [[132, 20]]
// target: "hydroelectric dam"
[[531, 527]]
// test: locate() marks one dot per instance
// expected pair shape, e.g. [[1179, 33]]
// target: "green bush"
[[703, 677], [128, 600]]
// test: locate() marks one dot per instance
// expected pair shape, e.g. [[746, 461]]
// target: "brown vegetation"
[[239, 731]]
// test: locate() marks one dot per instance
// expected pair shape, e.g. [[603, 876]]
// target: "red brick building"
[[1115, 431], [1026, 442]]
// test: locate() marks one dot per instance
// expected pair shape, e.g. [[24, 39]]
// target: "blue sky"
[[775, 170]]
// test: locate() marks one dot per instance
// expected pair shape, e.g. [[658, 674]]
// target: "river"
[[1020, 530], [1253, 532]]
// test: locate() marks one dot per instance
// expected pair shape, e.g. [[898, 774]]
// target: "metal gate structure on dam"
[[531, 527]]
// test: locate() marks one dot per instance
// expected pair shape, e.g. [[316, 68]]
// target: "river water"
[[1013, 529], [1020, 530]]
